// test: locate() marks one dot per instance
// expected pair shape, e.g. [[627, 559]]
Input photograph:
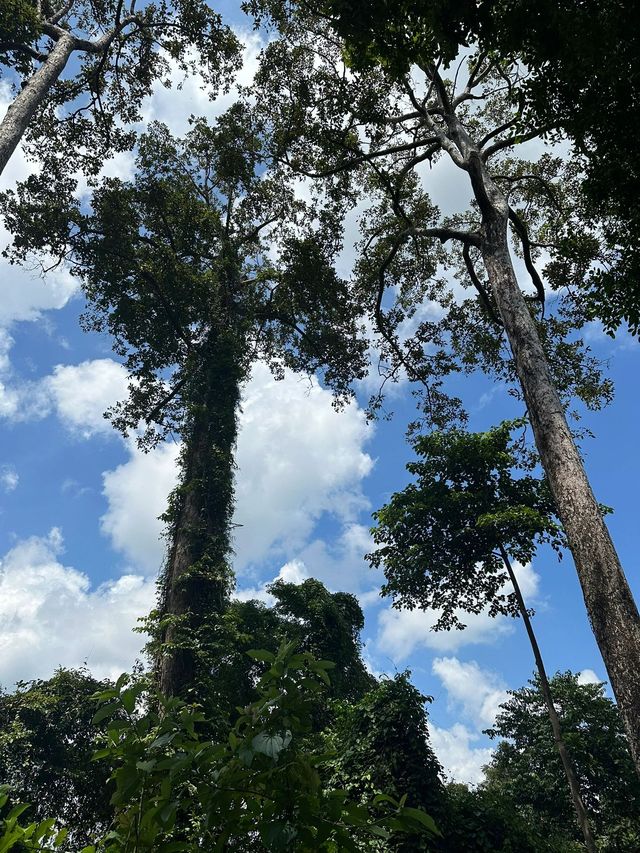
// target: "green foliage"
[[260, 788], [571, 85], [381, 746], [19, 24], [440, 537], [43, 835], [324, 624], [399, 34], [526, 769], [481, 821], [47, 739], [85, 114]]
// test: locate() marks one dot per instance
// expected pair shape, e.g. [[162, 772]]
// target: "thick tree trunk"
[[567, 764], [33, 93], [197, 576], [612, 611]]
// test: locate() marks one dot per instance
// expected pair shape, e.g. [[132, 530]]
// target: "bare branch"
[[484, 296], [22, 48], [515, 140], [521, 231], [62, 11], [499, 129], [156, 413]]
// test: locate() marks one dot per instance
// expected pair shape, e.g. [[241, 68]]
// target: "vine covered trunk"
[[612, 611], [31, 96], [197, 577]]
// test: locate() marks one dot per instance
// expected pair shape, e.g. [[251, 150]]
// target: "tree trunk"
[[567, 764], [612, 611], [33, 93], [197, 576]]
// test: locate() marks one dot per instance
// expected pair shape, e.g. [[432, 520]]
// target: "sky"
[[81, 544]]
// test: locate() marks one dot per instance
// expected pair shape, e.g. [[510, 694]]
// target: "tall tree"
[[572, 85], [122, 52], [383, 125], [525, 768], [183, 268], [448, 539]]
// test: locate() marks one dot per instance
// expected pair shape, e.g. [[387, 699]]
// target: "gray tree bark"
[[612, 612], [567, 764], [32, 95]]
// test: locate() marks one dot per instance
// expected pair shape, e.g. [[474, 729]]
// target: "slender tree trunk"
[[574, 785], [612, 611], [197, 576], [33, 93]]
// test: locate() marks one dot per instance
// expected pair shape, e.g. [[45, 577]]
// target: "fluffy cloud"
[[292, 572], [78, 394], [588, 676], [82, 393], [297, 460], [137, 492], [9, 478], [401, 632], [191, 96], [51, 616], [478, 691], [461, 761], [24, 292]]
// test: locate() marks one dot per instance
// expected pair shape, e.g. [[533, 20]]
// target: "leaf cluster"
[[259, 789], [440, 539]]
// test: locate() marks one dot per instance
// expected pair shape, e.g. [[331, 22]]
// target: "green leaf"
[[105, 711]]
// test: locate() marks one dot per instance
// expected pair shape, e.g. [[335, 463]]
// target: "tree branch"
[[484, 296], [61, 12], [22, 48], [514, 140], [156, 412], [146, 275], [521, 231]]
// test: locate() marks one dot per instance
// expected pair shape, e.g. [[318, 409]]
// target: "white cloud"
[[137, 493], [401, 632], [191, 96], [461, 761], [51, 616], [24, 293], [82, 393], [79, 395], [9, 478], [297, 459], [588, 676], [478, 691], [294, 571]]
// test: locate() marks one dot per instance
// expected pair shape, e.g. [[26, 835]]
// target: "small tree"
[[526, 770], [46, 742], [381, 746], [447, 541], [262, 787]]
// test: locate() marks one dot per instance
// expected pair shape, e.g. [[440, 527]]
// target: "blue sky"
[[79, 536]]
